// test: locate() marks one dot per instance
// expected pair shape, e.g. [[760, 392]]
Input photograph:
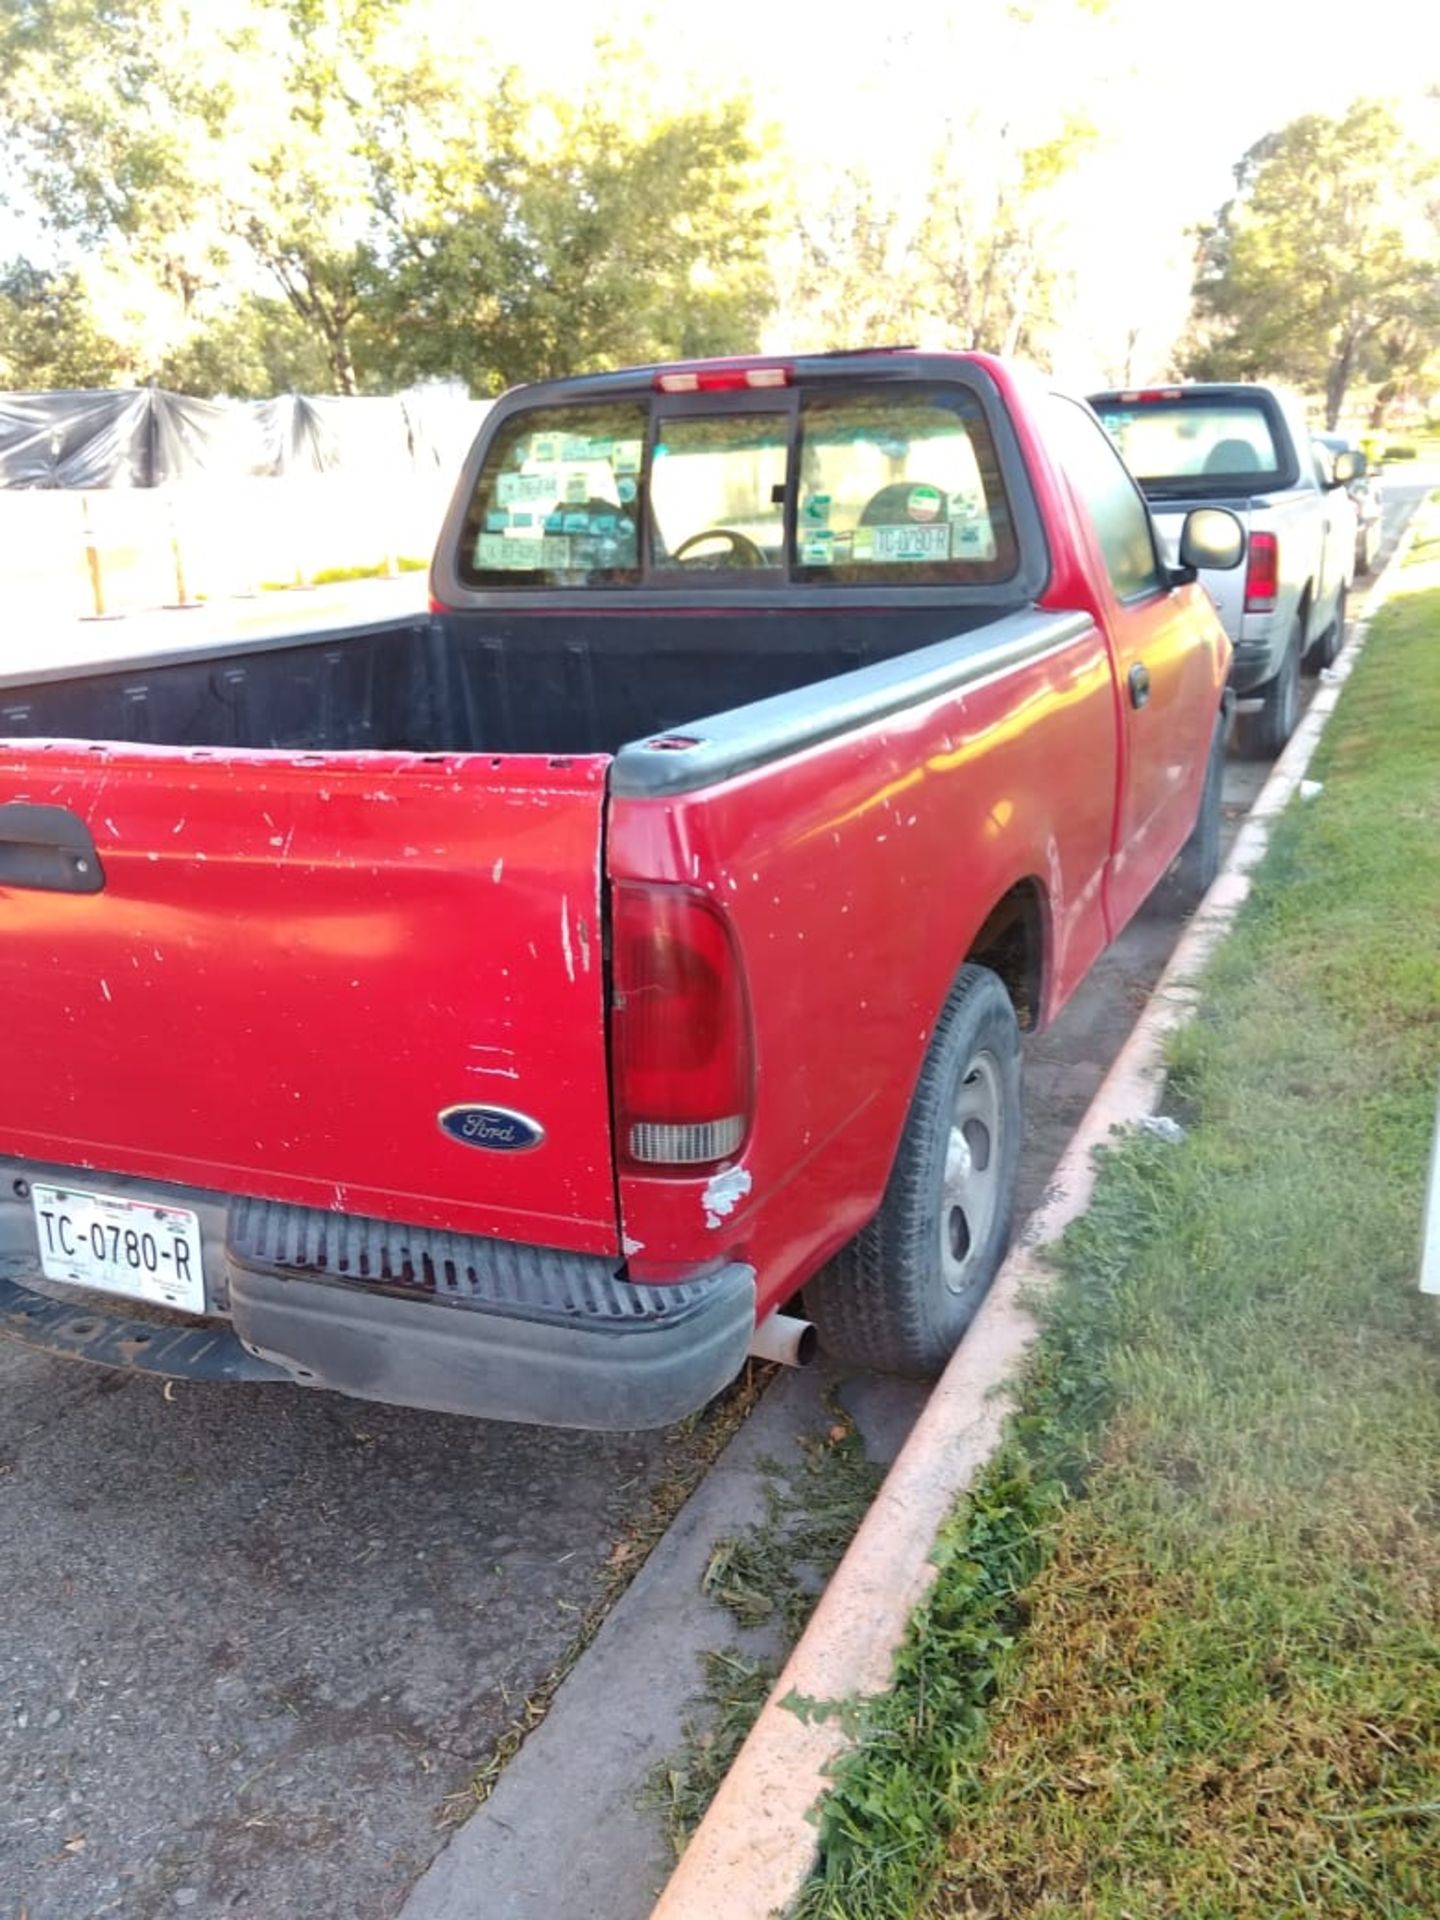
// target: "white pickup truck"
[[1248, 448]]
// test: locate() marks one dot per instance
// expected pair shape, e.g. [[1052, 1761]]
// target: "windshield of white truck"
[[1196, 445], [843, 486]]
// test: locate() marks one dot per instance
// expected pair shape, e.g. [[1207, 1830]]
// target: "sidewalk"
[[1183, 1655]]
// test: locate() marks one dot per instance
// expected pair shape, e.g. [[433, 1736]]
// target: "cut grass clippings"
[[1181, 1660], [768, 1576]]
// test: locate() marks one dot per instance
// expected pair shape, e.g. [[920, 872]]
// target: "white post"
[[1430, 1246]]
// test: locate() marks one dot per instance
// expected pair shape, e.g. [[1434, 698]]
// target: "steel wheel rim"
[[970, 1182]]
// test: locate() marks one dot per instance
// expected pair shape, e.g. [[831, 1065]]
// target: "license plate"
[[133, 1247], [913, 543]]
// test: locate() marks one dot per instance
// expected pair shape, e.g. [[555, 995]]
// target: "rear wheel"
[[899, 1297], [1326, 649], [1263, 734]]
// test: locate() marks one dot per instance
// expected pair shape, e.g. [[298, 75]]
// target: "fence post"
[[172, 520], [92, 563]]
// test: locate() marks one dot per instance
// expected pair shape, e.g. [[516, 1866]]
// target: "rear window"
[[900, 487], [557, 503], [1196, 445], [717, 492], [894, 485]]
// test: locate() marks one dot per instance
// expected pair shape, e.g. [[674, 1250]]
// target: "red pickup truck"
[[503, 1010]]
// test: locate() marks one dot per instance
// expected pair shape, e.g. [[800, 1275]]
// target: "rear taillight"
[[680, 1031], [1262, 573]]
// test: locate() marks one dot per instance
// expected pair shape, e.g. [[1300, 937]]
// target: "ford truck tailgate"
[[277, 973]]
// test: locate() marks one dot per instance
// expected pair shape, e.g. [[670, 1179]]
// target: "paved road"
[[252, 1638]]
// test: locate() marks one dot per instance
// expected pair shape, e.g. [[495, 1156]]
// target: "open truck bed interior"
[[474, 682]]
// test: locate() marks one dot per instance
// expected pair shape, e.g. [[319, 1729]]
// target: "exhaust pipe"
[[786, 1339]]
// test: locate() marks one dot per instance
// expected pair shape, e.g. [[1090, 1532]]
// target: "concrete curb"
[[756, 1846]]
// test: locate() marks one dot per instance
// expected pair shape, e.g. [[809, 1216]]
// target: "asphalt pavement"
[[254, 1638]]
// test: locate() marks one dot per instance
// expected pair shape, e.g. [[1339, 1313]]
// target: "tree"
[[415, 213], [851, 276], [261, 347], [206, 148], [610, 242], [1320, 270], [48, 338], [994, 270], [976, 264]]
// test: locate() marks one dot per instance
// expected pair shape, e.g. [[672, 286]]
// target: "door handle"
[[47, 847], [1139, 684]]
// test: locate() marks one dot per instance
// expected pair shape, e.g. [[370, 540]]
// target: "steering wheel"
[[743, 551]]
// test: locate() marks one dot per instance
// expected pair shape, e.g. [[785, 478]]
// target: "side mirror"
[[1211, 537], [1349, 466]]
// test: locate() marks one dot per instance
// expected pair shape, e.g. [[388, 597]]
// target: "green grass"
[[1182, 1657], [335, 576]]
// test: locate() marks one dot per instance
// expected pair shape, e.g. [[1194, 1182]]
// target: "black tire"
[[1263, 734], [899, 1297], [1193, 873], [1326, 650]]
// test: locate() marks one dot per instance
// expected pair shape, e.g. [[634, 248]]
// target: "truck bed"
[[545, 683]]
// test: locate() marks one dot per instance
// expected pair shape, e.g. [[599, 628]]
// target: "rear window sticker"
[[496, 550], [496, 522], [510, 487], [545, 449], [625, 526], [602, 523], [501, 552], [925, 503], [554, 522], [625, 457], [577, 523], [818, 548], [815, 512], [973, 540], [577, 489], [625, 487]]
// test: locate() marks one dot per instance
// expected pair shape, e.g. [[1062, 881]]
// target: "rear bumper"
[[407, 1316], [1253, 663], [596, 1372]]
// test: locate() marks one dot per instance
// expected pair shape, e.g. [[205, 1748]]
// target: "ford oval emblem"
[[495, 1128]]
